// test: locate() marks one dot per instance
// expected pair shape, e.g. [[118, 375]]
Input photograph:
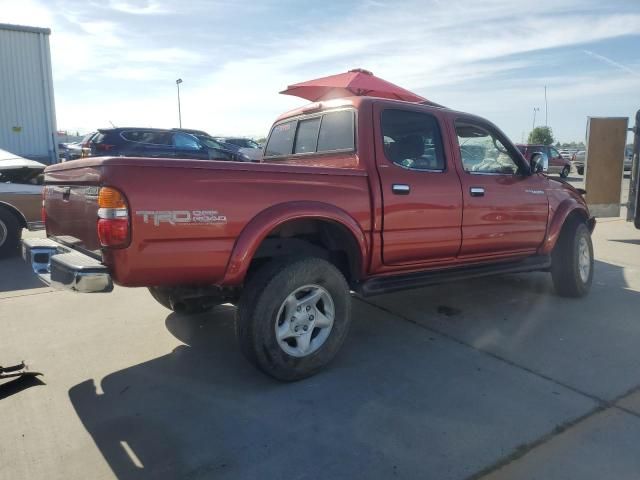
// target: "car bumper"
[[62, 267]]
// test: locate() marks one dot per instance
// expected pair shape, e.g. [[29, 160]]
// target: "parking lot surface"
[[490, 378]]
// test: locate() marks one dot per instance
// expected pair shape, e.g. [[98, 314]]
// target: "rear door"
[[505, 208], [422, 200]]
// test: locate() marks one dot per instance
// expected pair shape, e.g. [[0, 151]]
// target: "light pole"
[[535, 109], [178, 82], [546, 108]]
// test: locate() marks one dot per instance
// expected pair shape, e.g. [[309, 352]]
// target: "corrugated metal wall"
[[27, 112]]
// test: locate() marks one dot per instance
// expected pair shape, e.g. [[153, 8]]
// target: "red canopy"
[[354, 82]]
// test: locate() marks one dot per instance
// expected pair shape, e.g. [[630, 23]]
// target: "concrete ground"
[[491, 378]]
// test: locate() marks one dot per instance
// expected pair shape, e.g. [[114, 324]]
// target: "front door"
[[422, 201], [505, 208]]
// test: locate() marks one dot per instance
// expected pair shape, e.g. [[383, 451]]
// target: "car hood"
[[14, 168]]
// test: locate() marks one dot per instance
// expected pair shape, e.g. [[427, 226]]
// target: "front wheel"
[[293, 317], [572, 261], [10, 233], [565, 172]]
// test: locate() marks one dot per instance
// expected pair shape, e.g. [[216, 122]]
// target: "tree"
[[541, 136]]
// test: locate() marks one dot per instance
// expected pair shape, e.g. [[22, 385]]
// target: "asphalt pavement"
[[490, 378]]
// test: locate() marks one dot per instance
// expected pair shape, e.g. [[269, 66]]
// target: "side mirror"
[[539, 162]]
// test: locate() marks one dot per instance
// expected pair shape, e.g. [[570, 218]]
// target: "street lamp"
[[178, 82], [535, 109]]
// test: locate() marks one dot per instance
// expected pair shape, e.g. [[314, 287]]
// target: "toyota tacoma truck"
[[359, 194]]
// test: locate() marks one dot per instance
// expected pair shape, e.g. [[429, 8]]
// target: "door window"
[[483, 152], [554, 153], [185, 142], [336, 131], [412, 140]]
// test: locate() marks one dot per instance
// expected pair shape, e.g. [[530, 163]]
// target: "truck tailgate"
[[72, 210]]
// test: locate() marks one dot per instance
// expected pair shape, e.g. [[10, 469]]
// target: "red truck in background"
[[357, 194]]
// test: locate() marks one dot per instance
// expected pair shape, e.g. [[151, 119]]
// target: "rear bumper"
[[62, 267]]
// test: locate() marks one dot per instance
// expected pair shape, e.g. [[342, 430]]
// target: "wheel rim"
[[584, 259], [3, 233], [304, 320]]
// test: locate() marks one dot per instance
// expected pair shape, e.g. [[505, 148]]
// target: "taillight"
[[113, 218], [103, 147]]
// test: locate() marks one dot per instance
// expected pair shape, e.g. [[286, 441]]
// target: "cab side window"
[[412, 140], [483, 152]]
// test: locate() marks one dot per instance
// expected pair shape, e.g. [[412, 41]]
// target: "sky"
[[116, 61]]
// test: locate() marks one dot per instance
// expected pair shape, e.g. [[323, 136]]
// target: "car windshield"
[[209, 142]]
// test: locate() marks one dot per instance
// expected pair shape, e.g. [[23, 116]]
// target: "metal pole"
[[546, 108], [178, 82]]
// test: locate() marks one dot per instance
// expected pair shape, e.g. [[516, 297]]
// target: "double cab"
[[358, 194]]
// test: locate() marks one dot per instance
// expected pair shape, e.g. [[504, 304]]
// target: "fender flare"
[[264, 222], [21, 218], [566, 208]]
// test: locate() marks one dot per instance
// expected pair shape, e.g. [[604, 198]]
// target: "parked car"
[[20, 199], [566, 154], [159, 143], [240, 142], [363, 194], [578, 160], [557, 163], [628, 158]]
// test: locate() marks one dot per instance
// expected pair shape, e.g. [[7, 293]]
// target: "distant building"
[[27, 108]]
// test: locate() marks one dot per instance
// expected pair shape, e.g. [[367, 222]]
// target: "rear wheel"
[[580, 170], [10, 233], [293, 317], [565, 172], [167, 298], [572, 261]]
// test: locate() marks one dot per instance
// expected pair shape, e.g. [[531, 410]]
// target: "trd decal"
[[173, 217]]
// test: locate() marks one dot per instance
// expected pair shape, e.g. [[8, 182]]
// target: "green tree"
[[541, 136]]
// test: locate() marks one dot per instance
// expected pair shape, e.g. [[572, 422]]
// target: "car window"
[[281, 139], [147, 136], [336, 131], [482, 151], [412, 140], [185, 141], [307, 135], [554, 152]]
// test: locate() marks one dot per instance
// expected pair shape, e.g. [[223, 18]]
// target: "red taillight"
[[113, 232], [103, 147], [113, 218]]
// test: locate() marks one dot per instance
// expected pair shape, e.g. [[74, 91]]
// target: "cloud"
[[611, 62], [148, 7]]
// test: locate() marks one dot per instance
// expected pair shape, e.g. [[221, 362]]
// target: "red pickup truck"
[[358, 194]]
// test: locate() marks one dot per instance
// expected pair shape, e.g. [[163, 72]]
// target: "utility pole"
[[546, 108], [535, 109], [178, 82]]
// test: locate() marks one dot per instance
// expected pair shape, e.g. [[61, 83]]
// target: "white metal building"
[[27, 108]]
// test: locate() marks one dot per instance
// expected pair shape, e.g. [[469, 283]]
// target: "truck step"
[[379, 286]]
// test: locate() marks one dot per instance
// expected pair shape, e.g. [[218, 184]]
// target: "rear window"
[[332, 131], [336, 131], [307, 135], [146, 136], [281, 139]]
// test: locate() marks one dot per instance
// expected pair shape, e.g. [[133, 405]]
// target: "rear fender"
[[266, 221], [567, 208], [18, 214]]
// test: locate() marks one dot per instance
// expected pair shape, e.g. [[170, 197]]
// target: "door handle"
[[400, 189], [476, 191]]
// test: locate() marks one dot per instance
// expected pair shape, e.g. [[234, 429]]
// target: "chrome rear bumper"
[[62, 267]]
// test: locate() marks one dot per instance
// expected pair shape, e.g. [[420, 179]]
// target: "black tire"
[[565, 260], [260, 303], [565, 172], [187, 306], [10, 234], [580, 170]]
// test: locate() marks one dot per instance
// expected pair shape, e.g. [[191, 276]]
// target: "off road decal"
[[182, 217]]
